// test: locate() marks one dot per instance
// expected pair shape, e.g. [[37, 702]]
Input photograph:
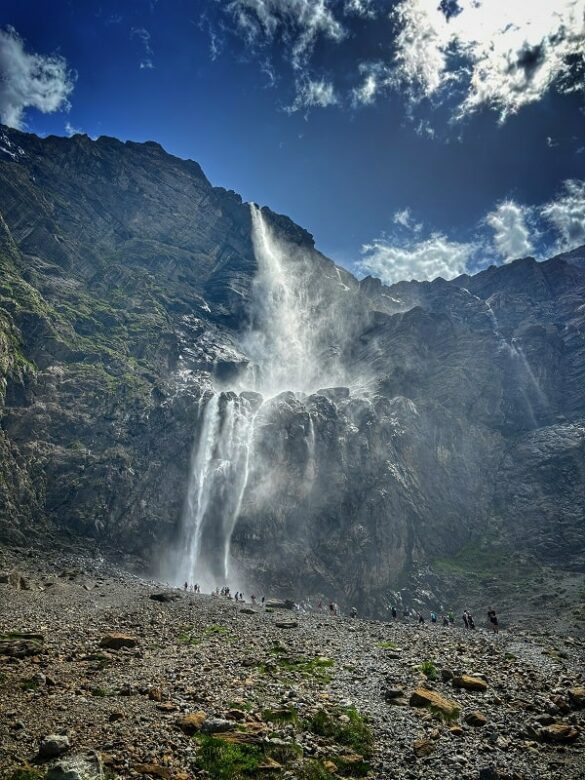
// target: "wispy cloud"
[[143, 35], [467, 54], [71, 130], [30, 80], [404, 218], [566, 214], [313, 94]]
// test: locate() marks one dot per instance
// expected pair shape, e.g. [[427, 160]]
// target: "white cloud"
[[424, 260], [511, 232], [313, 94], [29, 80], [71, 130], [566, 214], [503, 54], [404, 218]]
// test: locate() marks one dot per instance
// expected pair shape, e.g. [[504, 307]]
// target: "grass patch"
[[186, 638], [24, 774], [311, 668], [351, 731], [215, 630], [281, 715], [228, 761], [314, 770], [29, 685], [429, 670], [387, 646]]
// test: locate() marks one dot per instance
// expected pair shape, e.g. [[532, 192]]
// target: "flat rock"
[[287, 624], [476, 719]]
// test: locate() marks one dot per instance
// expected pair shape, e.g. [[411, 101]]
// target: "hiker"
[[263, 600], [471, 621], [433, 617], [253, 597], [445, 621], [394, 613], [421, 619], [331, 607], [493, 618], [353, 612], [451, 617], [465, 620], [186, 586]]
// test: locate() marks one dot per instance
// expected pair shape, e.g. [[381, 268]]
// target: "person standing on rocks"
[[471, 621], [445, 620], [421, 619], [394, 613], [465, 620], [451, 617], [433, 617], [493, 618]]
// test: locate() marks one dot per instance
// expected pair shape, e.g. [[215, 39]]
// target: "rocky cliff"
[[447, 452]]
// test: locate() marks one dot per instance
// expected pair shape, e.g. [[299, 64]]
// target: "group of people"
[[193, 588], [449, 618]]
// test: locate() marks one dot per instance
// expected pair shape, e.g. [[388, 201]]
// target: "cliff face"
[[454, 445]]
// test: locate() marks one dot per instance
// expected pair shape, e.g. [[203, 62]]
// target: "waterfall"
[[282, 342]]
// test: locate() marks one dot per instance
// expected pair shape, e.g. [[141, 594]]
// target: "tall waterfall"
[[282, 343]]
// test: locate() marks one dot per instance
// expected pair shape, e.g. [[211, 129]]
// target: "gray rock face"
[[455, 450]]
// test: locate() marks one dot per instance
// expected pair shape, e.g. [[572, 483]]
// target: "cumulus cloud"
[[313, 94], [423, 260], [511, 232], [499, 54], [30, 80], [566, 214]]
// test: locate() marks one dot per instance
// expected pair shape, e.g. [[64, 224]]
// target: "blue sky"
[[413, 139]]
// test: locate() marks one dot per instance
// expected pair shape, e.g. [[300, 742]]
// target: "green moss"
[[228, 761]]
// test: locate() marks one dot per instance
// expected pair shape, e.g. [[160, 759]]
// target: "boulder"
[[577, 697], [165, 597], [116, 640], [192, 722], [287, 624], [558, 732], [476, 719], [470, 683], [423, 697], [53, 745]]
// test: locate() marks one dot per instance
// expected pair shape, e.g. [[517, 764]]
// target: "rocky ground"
[[107, 675]]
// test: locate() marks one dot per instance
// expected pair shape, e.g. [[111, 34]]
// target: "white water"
[[283, 343]]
